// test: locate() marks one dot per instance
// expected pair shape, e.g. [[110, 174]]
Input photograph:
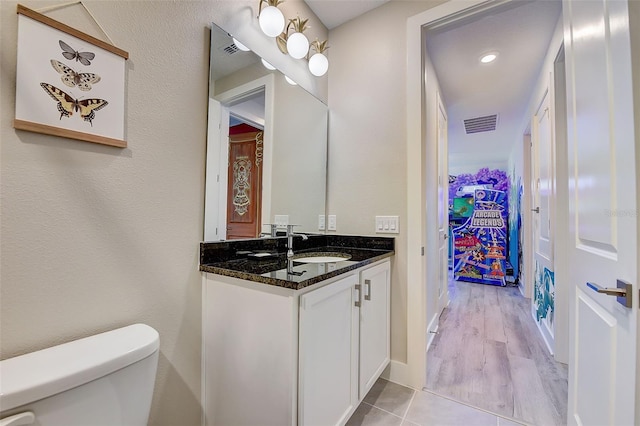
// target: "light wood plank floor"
[[490, 354]]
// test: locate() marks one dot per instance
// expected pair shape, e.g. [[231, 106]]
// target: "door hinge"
[[421, 251]]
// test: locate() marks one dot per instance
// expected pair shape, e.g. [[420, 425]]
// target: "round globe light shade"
[[271, 21], [240, 45], [267, 65], [318, 64], [297, 45], [291, 82]]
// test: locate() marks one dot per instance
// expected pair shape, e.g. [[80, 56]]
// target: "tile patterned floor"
[[390, 404]]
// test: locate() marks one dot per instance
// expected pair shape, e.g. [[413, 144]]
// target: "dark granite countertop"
[[230, 258]]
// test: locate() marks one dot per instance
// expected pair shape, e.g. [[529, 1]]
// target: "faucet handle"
[[274, 229]]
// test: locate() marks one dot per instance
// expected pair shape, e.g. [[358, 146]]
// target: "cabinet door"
[[328, 345], [375, 337]]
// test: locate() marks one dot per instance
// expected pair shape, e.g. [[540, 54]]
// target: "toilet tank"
[[106, 379]]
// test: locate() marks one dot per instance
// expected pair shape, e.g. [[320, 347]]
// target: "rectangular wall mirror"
[[266, 147]]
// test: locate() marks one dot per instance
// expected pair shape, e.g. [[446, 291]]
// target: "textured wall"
[[367, 136], [95, 237]]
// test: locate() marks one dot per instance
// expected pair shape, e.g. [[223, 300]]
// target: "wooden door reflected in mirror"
[[244, 184]]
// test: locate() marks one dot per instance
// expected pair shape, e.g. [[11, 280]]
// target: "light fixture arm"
[[299, 25], [274, 3], [318, 46]]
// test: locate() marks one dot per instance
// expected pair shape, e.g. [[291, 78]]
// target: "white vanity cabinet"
[[277, 356], [344, 345]]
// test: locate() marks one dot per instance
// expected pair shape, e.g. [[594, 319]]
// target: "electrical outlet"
[[387, 225], [321, 222], [332, 222], [281, 220]]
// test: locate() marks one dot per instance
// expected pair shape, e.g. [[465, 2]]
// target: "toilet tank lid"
[[37, 375]]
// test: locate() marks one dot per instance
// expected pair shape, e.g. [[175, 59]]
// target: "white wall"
[[368, 136]]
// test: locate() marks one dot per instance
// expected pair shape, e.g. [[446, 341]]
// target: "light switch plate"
[[321, 222], [387, 225], [281, 220], [332, 222]]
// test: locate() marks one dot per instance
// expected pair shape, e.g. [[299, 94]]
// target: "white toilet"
[[106, 379]]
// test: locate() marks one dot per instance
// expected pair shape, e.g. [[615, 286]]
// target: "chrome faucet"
[[290, 235], [274, 231]]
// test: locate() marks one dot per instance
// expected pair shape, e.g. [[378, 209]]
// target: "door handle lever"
[[608, 291], [622, 292], [537, 210]]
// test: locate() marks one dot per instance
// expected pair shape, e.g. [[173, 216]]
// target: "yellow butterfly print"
[[68, 105]]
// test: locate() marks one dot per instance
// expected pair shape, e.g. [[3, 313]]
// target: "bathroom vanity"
[[292, 343]]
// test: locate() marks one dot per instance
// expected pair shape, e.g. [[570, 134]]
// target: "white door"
[[443, 208], [375, 336], [328, 354], [543, 179], [603, 212]]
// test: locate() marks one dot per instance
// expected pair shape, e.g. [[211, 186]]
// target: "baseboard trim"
[[397, 372], [546, 335]]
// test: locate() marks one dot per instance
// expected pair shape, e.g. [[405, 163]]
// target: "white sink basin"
[[323, 258]]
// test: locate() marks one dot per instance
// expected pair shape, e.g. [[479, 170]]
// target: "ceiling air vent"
[[481, 124], [231, 49]]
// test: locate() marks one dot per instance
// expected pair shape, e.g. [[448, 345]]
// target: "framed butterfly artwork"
[[68, 83]]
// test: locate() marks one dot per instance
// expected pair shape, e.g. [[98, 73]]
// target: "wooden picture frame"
[[68, 83]]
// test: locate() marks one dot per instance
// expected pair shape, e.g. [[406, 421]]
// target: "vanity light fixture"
[[271, 18], [240, 45], [318, 62], [295, 44], [291, 39], [267, 65], [489, 57], [291, 82]]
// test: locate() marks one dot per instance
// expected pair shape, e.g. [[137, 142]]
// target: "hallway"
[[490, 354]]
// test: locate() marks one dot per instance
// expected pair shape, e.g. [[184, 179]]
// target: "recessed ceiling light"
[[489, 57]]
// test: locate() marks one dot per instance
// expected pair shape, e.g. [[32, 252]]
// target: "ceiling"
[[520, 31], [333, 13]]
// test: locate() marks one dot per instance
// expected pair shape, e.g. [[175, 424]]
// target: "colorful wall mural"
[[497, 178], [544, 293]]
